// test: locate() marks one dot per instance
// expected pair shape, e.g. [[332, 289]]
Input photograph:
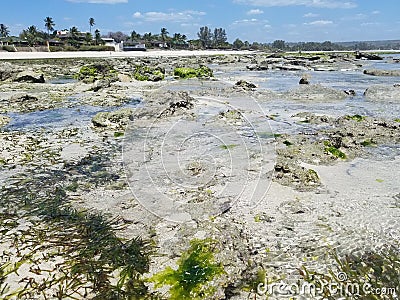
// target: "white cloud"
[[99, 1], [319, 23], [310, 15], [154, 16], [246, 21], [255, 12], [370, 24], [310, 3], [251, 22]]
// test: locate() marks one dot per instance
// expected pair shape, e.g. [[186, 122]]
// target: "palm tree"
[[148, 36], [91, 24], [49, 25], [135, 35], [164, 33], [4, 32], [97, 36], [74, 32], [74, 35], [179, 39], [31, 35], [88, 38]]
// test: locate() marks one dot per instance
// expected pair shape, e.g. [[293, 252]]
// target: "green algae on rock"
[[146, 73], [201, 72], [196, 269]]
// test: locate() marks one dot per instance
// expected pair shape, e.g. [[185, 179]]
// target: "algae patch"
[[196, 269], [201, 72]]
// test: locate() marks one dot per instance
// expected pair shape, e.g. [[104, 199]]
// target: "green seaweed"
[[92, 254], [380, 270], [91, 73], [367, 143], [146, 73], [196, 268], [334, 151], [229, 146], [357, 118], [118, 134], [201, 72]]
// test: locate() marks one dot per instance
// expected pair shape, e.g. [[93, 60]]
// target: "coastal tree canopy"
[[91, 24], [49, 24], [4, 32]]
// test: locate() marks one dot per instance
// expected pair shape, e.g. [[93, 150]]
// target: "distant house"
[[112, 43], [55, 43], [65, 36], [159, 44], [133, 46]]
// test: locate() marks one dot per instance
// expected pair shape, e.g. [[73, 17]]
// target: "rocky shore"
[[120, 174]]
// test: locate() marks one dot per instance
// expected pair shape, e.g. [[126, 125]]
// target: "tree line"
[[206, 39], [34, 36]]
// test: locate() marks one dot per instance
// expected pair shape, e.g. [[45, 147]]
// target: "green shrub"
[[8, 48], [96, 48]]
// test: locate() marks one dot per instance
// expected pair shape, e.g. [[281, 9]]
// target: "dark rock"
[[368, 56], [22, 98], [351, 93], [245, 85], [257, 67], [304, 81], [184, 102], [28, 76]]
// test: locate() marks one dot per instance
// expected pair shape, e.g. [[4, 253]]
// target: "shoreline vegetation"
[[33, 39], [164, 53], [119, 175]]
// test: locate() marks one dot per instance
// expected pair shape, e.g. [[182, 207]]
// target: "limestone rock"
[[29, 76], [114, 119]]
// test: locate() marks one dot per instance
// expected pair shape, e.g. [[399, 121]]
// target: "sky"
[[252, 20]]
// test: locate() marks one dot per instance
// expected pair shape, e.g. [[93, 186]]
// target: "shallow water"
[[60, 117], [62, 80]]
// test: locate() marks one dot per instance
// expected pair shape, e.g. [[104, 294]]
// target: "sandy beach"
[[119, 166], [105, 54]]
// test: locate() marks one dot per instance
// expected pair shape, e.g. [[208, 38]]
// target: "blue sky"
[[252, 20]]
